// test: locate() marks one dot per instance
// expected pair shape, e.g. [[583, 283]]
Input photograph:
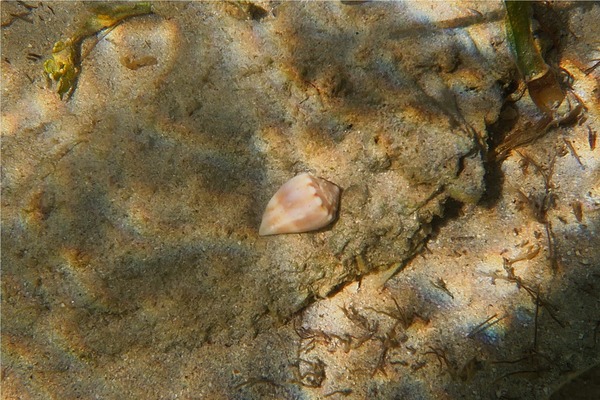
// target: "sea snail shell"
[[302, 204]]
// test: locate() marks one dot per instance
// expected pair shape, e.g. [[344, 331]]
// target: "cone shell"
[[302, 204]]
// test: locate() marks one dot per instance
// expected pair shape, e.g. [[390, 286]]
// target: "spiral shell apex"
[[302, 204]]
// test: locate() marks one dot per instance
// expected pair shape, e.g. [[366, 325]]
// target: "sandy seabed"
[[131, 261]]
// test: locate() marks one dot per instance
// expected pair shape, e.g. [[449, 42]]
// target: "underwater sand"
[[131, 261]]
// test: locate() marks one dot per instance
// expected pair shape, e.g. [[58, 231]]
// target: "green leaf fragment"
[[65, 64], [544, 87], [518, 28]]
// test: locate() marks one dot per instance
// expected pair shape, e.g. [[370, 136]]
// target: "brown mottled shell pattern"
[[304, 203]]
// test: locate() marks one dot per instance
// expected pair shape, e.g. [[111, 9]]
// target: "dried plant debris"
[[551, 91]]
